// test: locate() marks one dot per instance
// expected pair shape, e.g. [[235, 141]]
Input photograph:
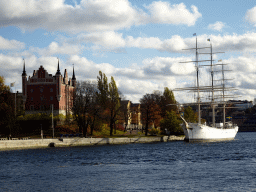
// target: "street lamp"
[[41, 132], [52, 123]]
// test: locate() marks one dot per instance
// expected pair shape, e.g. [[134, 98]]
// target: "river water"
[[172, 166]]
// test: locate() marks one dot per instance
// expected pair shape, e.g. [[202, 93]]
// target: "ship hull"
[[200, 132]]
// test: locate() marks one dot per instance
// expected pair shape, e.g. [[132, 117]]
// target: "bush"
[[154, 131], [119, 127]]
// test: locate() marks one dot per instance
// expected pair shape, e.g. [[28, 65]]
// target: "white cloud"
[[55, 48], [109, 39], [164, 12], [144, 42], [112, 41], [250, 16], [166, 66], [90, 15], [6, 44], [217, 26]]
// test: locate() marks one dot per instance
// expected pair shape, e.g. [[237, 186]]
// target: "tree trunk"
[[146, 129], [111, 127]]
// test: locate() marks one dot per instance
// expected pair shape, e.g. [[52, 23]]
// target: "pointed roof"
[[24, 72], [73, 76], [58, 69]]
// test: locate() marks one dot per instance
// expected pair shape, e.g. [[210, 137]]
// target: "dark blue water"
[[172, 166]]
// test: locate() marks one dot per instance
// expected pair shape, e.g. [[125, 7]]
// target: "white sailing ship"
[[214, 131]]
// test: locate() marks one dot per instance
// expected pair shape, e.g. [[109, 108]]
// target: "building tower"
[[24, 85], [59, 82], [73, 78]]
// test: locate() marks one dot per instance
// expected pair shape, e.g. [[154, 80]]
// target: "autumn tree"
[[149, 110]]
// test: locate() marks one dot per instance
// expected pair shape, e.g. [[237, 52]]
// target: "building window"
[[41, 107], [51, 89], [32, 107], [42, 98], [31, 90], [41, 90], [31, 98], [51, 98]]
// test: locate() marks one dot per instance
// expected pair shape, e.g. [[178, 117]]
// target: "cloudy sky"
[[137, 42]]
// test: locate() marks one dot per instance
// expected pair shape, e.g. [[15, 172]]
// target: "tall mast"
[[223, 95], [213, 105], [197, 84]]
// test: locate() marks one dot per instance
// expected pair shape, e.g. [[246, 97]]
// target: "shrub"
[[154, 131]]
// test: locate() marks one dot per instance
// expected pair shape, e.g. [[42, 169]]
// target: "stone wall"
[[68, 142]]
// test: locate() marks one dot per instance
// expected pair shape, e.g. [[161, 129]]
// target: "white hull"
[[194, 131]]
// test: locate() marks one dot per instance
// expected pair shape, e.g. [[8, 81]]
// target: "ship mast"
[[213, 105], [223, 90], [197, 85]]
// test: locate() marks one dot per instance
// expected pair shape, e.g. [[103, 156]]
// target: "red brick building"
[[42, 91]]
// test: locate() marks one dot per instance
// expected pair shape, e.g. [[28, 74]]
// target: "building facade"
[[44, 92], [131, 115]]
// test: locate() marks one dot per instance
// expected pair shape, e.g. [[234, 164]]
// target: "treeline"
[[97, 104]]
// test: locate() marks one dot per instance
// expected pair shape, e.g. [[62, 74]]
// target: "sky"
[[139, 43]]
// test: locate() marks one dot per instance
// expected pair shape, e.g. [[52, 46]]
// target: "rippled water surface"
[[180, 166]]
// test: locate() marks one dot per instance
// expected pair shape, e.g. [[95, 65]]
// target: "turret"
[[59, 82], [58, 69], [73, 78], [24, 83]]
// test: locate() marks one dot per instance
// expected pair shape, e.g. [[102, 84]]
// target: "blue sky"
[[139, 43]]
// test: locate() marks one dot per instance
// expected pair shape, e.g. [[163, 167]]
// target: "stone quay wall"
[[77, 141]]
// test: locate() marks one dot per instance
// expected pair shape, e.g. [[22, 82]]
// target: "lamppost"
[[13, 85], [42, 135], [52, 123]]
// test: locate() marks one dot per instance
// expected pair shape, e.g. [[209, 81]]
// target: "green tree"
[[114, 104], [103, 93], [171, 122], [7, 114], [168, 102], [190, 115]]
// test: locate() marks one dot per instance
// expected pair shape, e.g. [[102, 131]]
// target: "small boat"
[[212, 131]]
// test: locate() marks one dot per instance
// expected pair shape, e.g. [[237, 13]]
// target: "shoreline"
[[69, 142]]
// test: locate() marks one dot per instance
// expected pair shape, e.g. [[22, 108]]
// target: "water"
[[172, 166]]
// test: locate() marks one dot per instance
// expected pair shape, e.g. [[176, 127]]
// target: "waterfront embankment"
[[77, 141]]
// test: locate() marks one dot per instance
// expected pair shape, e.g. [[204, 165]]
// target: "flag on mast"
[[208, 39], [194, 34], [12, 84]]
